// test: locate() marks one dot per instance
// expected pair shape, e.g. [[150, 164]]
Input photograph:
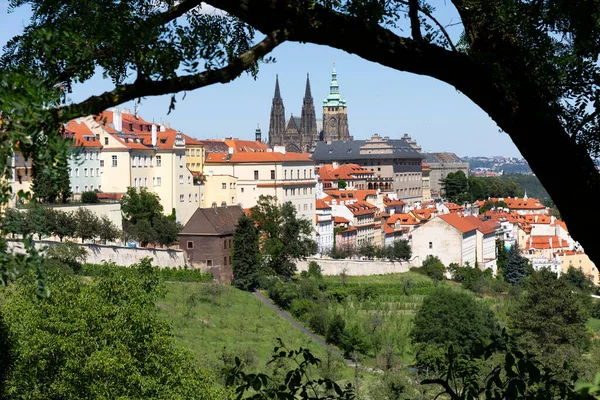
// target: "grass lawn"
[[231, 322], [594, 324]]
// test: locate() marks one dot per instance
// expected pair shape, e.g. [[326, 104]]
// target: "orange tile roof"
[[537, 219], [452, 207], [391, 202], [361, 208], [545, 242], [423, 214], [405, 219], [482, 226], [345, 171], [388, 229], [248, 146], [340, 220], [518, 203], [563, 253], [458, 222], [321, 205], [81, 134], [259, 157], [561, 223]]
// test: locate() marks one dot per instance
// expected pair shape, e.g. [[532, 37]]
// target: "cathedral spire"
[[277, 93], [307, 93], [334, 99], [277, 122]]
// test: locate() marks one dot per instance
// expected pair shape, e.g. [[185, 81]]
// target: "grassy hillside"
[[216, 322]]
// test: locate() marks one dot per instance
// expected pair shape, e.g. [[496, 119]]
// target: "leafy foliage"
[[129, 352], [89, 197], [432, 267], [68, 253], [246, 260], [144, 221], [450, 318], [297, 383], [283, 237], [516, 266], [549, 318]]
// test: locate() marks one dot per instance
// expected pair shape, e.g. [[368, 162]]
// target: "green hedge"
[[168, 274]]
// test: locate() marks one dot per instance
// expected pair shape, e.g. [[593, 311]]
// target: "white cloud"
[[208, 9]]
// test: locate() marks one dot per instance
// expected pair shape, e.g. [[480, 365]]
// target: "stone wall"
[[355, 267], [120, 255]]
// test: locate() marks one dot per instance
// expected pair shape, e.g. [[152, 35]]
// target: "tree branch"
[[176, 11], [443, 384], [415, 24], [127, 92], [435, 21]]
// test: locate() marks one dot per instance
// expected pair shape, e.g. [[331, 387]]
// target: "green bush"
[[318, 320], [596, 309], [335, 330], [300, 306], [89, 197]]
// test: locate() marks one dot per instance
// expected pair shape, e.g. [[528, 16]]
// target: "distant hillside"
[[529, 184]]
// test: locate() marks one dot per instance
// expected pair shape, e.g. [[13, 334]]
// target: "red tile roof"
[[81, 134], [484, 227], [246, 146], [361, 208], [340, 220], [391, 202], [321, 205], [405, 219], [545, 242], [458, 222], [346, 172], [538, 219], [270, 157]]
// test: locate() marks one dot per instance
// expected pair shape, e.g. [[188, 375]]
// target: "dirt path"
[[284, 314]]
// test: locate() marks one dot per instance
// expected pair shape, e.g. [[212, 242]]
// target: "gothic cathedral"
[[302, 134]]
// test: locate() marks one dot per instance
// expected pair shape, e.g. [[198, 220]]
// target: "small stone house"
[[207, 240]]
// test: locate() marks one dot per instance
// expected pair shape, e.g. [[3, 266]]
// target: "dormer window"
[[131, 127]]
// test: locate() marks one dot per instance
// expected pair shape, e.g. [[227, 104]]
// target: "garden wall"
[[120, 255], [356, 267]]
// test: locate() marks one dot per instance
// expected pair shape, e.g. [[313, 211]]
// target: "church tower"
[[277, 122], [308, 121], [335, 118]]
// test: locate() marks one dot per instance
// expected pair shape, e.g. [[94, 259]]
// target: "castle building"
[[301, 134]]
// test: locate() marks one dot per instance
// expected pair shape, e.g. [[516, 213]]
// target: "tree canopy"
[[530, 65]]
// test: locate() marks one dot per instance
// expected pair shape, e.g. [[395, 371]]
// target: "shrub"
[[299, 307], [89, 197], [335, 330], [596, 309], [168, 274], [69, 254], [318, 320], [315, 270]]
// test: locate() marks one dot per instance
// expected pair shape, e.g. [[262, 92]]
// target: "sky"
[[380, 100]]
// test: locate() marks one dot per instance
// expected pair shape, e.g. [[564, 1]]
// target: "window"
[[153, 181], [86, 155], [224, 260], [272, 174], [305, 207], [140, 161], [151, 160], [293, 192], [255, 175], [97, 155], [180, 161], [105, 141], [190, 197], [285, 174], [181, 179], [92, 188], [133, 161], [145, 182], [86, 188], [99, 188], [189, 179], [158, 161], [98, 172], [431, 245], [92, 172], [286, 192], [190, 244], [77, 172], [158, 181], [181, 198], [77, 189], [134, 182], [145, 161], [232, 200], [304, 174], [196, 197], [102, 163], [209, 263], [223, 186], [242, 190], [114, 161]]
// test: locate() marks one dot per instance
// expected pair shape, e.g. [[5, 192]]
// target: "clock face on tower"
[[332, 122]]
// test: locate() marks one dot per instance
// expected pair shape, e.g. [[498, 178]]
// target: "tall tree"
[[246, 260], [284, 238], [549, 319], [515, 268], [87, 224], [456, 187]]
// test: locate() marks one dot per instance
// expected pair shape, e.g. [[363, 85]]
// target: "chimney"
[[117, 120], [231, 150], [126, 111], [154, 135], [168, 125], [162, 127]]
